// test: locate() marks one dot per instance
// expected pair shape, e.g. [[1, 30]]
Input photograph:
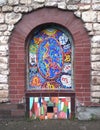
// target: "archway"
[[81, 62]]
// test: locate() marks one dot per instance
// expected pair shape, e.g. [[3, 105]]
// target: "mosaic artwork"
[[50, 107], [50, 60]]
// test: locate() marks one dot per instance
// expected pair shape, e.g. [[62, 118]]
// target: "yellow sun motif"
[[49, 32]]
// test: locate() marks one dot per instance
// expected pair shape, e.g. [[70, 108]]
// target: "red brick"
[[80, 99], [86, 94], [12, 96], [19, 87], [13, 56], [13, 91], [21, 92], [79, 94]]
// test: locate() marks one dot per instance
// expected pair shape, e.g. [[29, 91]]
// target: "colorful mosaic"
[[50, 60], [50, 107]]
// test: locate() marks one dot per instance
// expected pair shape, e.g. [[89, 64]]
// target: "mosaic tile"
[[50, 60], [50, 107]]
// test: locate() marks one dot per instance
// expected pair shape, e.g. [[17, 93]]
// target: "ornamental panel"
[[50, 59]]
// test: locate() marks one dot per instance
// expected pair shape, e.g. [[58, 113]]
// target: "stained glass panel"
[[50, 60], [50, 107]]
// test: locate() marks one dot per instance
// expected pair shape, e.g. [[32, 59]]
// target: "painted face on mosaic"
[[50, 60]]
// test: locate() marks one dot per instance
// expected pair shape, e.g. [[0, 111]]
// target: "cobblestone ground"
[[49, 125]]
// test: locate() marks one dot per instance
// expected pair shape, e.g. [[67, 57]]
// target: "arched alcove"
[[18, 52], [50, 58]]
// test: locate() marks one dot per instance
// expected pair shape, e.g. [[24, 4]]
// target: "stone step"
[[12, 111]]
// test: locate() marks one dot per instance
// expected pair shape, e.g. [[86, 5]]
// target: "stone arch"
[[17, 58]]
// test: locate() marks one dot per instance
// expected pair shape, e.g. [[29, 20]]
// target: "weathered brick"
[[95, 88], [20, 9], [3, 59], [3, 66], [95, 50], [52, 4], [3, 2], [7, 33], [62, 5], [96, 39], [4, 39], [3, 48], [3, 100], [4, 87], [95, 57], [97, 32], [96, 26], [26, 1], [3, 78], [78, 13], [13, 2], [88, 26], [96, 7], [10, 27], [72, 7], [4, 72], [4, 93], [39, 1], [12, 18], [1, 18], [3, 27], [95, 45], [7, 8], [95, 65], [95, 1], [98, 17], [84, 7], [89, 16], [85, 1], [96, 80], [95, 94], [95, 100]]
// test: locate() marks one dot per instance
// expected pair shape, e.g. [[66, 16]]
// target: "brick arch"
[[17, 58]]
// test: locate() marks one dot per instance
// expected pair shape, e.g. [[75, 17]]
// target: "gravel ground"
[[49, 125]]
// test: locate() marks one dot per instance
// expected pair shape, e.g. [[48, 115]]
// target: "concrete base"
[[9, 111], [88, 113]]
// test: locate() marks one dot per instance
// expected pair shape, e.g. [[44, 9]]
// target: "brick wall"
[[81, 47]]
